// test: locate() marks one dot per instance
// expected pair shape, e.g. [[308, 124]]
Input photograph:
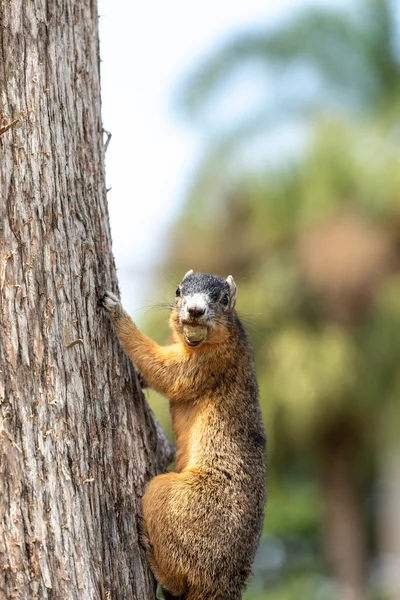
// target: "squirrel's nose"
[[196, 311]]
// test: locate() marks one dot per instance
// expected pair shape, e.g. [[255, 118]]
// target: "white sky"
[[146, 48]]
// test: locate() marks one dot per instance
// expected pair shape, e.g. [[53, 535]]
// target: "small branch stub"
[[8, 126], [109, 136], [74, 343]]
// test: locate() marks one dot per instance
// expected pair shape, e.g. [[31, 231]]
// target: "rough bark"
[[77, 441], [343, 528]]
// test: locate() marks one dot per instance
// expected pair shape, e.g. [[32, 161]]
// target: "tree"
[[322, 60], [77, 441], [347, 59]]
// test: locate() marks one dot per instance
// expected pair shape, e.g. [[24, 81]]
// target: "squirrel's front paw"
[[111, 304]]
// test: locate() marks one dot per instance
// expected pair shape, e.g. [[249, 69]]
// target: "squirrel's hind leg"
[[163, 527]]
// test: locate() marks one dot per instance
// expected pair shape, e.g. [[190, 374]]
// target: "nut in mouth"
[[194, 334]]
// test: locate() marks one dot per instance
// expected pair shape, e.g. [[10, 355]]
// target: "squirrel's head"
[[203, 307]]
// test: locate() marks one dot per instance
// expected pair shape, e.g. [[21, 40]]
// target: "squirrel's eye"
[[225, 300], [178, 292]]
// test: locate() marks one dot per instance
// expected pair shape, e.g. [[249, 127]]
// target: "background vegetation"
[[310, 229]]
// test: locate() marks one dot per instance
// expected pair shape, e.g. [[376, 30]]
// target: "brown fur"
[[202, 523]]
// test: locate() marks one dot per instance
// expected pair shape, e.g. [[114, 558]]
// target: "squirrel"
[[202, 523]]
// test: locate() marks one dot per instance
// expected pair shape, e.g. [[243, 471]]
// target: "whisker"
[[250, 325], [154, 309], [156, 306], [171, 278]]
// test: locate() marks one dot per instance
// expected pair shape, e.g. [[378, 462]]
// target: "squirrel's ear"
[[187, 274], [233, 289]]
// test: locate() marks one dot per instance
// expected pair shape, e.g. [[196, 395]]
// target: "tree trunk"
[[77, 441], [343, 528]]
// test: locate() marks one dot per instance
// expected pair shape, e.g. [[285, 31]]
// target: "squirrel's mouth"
[[193, 344], [194, 334]]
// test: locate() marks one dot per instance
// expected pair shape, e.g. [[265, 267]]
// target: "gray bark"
[[77, 440]]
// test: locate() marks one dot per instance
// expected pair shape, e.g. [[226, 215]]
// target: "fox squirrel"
[[202, 523]]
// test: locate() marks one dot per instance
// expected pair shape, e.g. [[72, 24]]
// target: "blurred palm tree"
[[321, 59]]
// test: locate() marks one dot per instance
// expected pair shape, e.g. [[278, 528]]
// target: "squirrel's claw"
[[111, 303]]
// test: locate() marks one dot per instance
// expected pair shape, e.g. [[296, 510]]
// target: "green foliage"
[[313, 376], [353, 53], [319, 62], [293, 507], [295, 587]]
